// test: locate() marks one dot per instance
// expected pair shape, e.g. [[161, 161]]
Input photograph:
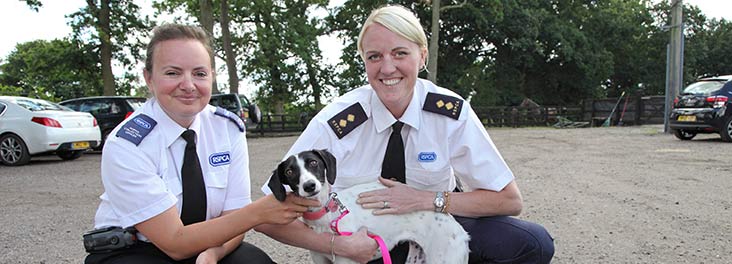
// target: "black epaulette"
[[137, 128], [443, 104], [347, 120], [231, 116]]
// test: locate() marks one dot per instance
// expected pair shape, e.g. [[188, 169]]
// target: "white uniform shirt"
[[437, 147], [141, 181]]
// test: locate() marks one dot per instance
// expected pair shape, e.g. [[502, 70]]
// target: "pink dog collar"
[[331, 206]]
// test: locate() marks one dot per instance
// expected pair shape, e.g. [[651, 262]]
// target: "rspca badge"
[[347, 120], [443, 104], [426, 157], [137, 128], [219, 159], [231, 116]]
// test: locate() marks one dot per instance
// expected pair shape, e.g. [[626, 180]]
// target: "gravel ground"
[[607, 195]]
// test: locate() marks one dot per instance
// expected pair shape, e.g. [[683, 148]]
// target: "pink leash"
[[331, 206]]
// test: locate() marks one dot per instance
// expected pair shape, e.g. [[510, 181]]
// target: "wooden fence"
[[636, 111]]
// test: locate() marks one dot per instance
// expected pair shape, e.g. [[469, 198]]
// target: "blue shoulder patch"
[[231, 116], [137, 128]]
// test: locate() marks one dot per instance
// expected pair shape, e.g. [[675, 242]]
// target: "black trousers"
[[497, 239], [145, 253]]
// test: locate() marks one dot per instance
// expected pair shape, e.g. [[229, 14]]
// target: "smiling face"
[[392, 64], [180, 78]]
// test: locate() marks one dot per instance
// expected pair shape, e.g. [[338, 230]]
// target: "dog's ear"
[[275, 185], [330, 164]]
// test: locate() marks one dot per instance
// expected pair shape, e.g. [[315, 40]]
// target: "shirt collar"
[[171, 130], [383, 119]]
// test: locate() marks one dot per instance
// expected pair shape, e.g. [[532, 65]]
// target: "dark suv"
[[239, 105], [704, 107], [108, 110]]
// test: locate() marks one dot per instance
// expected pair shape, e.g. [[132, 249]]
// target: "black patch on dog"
[[320, 163]]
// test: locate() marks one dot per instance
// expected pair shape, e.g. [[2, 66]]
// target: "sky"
[[23, 24]]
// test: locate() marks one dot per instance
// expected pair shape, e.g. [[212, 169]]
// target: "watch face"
[[439, 202]]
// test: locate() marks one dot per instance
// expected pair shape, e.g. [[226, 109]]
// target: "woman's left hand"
[[397, 198]]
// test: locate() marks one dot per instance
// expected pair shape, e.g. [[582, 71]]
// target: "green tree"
[[345, 22], [715, 58], [117, 29], [58, 69], [277, 42]]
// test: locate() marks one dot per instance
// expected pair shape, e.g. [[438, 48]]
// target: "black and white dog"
[[311, 173]]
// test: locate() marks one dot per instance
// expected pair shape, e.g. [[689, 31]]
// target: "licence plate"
[[80, 145], [686, 118]]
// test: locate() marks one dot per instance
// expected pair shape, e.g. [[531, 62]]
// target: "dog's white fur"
[[440, 237]]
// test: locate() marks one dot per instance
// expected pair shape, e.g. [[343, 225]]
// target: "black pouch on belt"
[[108, 239]]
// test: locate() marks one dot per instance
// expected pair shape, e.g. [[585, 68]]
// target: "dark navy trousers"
[[503, 239], [144, 253]]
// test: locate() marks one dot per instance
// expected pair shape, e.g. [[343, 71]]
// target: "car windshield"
[[39, 105], [703, 87], [229, 102], [136, 103]]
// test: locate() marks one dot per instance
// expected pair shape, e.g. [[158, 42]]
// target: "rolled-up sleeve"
[[132, 184], [475, 159]]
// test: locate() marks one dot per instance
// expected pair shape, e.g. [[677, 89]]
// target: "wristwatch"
[[439, 202]]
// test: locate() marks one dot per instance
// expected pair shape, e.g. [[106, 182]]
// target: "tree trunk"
[[434, 42], [228, 50], [103, 28], [207, 22], [317, 88]]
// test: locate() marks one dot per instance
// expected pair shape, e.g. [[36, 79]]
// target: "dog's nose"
[[309, 186]]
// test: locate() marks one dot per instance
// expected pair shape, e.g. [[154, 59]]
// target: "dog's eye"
[[288, 172], [313, 163]]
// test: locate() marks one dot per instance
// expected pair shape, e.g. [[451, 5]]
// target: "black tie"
[[194, 190], [393, 165]]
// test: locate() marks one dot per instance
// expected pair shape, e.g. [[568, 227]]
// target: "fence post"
[[592, 113], [640, 110]]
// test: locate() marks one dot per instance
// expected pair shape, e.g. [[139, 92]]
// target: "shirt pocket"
[[216, 185], [433, 179]]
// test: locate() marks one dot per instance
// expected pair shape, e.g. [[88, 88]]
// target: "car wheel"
[[726, 131], [683, 134], [13, 151], [69, 154]]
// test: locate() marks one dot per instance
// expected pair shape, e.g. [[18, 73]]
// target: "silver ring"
[[386, 205]]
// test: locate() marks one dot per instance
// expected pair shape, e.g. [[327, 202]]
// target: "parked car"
[[704, 106], [239, 105], [30, 127], [108, 110]]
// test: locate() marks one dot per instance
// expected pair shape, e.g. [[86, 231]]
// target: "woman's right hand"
[[358, 247], [273, 211]]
